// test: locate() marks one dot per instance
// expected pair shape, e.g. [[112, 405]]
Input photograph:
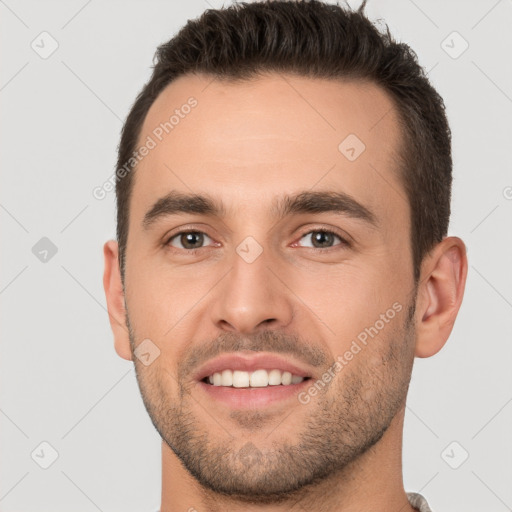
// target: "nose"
[[252, 297]]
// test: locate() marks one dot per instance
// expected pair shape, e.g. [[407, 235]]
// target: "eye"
[[188, 240], [323, 239]]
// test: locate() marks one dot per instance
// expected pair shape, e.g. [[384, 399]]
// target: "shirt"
[[416, 500]]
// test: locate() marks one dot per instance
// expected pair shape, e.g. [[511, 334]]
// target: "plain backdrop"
[[61, 382]]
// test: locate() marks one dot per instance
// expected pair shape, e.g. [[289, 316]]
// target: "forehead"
[[251, 140]]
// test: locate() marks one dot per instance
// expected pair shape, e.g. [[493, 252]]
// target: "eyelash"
[[344, 242]]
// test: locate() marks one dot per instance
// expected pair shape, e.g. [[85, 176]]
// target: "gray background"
[[62, 382]]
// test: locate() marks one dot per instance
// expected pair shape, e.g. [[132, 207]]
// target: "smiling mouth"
[[261, 378]]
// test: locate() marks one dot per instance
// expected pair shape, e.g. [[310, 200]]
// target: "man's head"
[[321, 41], [289, 204]]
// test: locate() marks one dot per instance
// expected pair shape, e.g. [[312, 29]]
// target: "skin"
[[248, 143]]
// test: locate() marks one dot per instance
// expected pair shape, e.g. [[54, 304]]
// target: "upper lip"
[[249, 362]]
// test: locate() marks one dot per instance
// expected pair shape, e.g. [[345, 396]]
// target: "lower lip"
[[240, 398]]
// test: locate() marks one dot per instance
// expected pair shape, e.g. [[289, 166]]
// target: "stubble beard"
[[346, 419]]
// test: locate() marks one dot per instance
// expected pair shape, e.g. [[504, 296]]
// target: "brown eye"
[[189, 240], [323, 239]]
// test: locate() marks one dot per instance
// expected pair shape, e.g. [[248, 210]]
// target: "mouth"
[[260, 378], [249, 380]]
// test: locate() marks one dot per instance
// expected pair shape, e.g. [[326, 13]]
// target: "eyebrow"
[[175, 203]]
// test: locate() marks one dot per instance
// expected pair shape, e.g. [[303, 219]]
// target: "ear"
[[440, 294], [115, 300]]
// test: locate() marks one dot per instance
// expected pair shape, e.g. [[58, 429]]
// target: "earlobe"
[[113, 286], [440, 295]]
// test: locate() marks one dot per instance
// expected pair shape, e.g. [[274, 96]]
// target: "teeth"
[[274, 377], [227, 378], [217, 379], [286, 378], [240, 379], [259, 379], [255, 379]]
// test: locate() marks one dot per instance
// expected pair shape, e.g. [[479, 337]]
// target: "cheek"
[[149, 312], [347, 297], [164, 302], [379, 367], [362, 317], [151, 290]]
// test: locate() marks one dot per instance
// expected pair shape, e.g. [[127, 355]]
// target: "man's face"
[[254, 282]]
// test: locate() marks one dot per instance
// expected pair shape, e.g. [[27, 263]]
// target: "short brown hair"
[[314, 40]]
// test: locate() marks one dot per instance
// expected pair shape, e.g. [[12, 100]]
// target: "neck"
[[372, 482]]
